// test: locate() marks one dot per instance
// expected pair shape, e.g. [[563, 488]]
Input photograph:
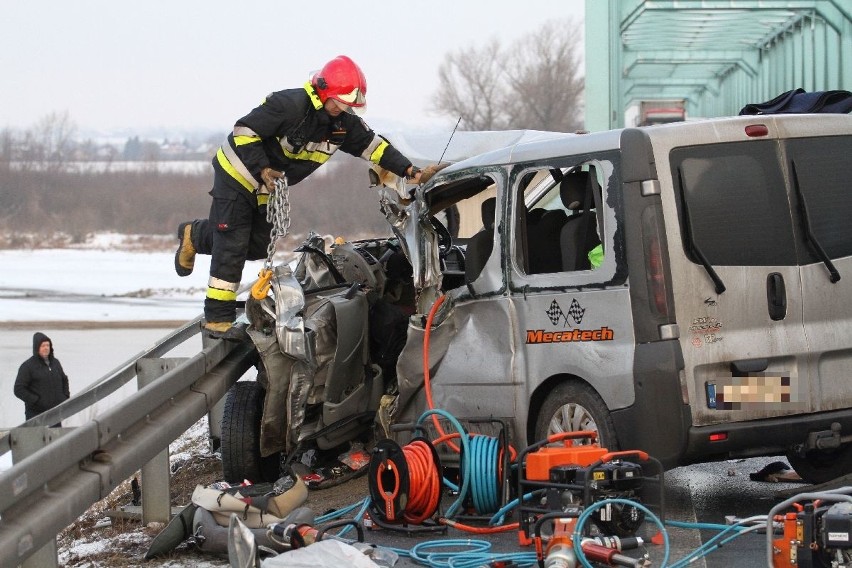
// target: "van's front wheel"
[[819, 466], [572, 407], [241, 457]]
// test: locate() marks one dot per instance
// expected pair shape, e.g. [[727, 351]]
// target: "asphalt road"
[[704, 493]]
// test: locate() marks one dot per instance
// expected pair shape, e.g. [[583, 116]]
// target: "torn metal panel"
[[475, 336], [275, 379], [313, 269], [410, 222], [289, 360], [295, 340]]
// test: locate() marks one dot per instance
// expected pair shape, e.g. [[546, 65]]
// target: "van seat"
[[480, 244], [579, 233]]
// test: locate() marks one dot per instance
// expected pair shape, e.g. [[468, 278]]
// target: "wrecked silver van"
[[683, 289]]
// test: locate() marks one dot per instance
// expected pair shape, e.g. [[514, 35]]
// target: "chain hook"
[[278, 214], [260, 289]]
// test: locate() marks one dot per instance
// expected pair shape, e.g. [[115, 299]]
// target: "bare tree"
[[546, 87], [533, 84], [52, 139], [470, 87]]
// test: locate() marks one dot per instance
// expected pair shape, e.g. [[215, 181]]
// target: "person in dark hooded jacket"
[[41, 382]]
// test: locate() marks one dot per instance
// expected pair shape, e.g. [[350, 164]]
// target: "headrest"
[[535, 215], [489, 211], [572, 190]]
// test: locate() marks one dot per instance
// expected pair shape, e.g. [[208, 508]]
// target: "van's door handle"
[[776, 296]]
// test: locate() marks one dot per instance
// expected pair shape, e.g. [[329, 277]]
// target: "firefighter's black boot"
[[227, 331]]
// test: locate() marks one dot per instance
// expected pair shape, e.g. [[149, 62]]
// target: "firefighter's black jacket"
[[292, 133]]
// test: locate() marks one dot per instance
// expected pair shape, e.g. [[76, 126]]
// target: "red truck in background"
[[661, 112]]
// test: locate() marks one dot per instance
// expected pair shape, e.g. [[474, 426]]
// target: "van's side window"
[[820, 166], [732, 204], [562, 224]]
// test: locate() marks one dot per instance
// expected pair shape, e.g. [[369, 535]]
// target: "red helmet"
[[342, 80]]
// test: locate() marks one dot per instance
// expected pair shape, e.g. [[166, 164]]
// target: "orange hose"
[[444, 437], [424, 482], [480, 530], [427, 384]]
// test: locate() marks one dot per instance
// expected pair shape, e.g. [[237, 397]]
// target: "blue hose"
[[358, 517], [485, 489], [701, 526], [421, 552], [499, 517], [464, 462], [712, 544], [584, 516], [339, 513], [466, 553]]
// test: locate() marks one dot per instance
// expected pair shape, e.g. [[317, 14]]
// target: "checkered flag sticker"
[[576, 312], [554, 312]]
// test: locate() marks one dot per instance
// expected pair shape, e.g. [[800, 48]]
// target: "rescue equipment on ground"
[[565, 480], [206, 519], [405, 486], [255, 511], [816, 532], [299, 535]]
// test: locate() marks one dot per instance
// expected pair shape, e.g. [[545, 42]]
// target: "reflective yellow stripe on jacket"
[[312, 152], [375, 150], [228, 166], [232, 164]]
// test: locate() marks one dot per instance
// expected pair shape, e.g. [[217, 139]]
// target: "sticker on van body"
[[556, 316], [705, 329], [576, 311]]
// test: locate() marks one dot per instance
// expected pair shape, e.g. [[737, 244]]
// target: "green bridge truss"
[[717, 55]]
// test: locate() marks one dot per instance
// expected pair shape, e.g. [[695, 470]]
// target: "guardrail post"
[[214, 417], [156, 501], [26, 441]]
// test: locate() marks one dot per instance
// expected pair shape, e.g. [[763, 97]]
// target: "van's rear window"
[[733, 205], [824, 175]]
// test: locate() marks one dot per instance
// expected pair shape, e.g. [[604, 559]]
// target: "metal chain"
[[277, 213]]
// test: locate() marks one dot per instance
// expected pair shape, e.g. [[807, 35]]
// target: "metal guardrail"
[[50, 489], [110, 382]]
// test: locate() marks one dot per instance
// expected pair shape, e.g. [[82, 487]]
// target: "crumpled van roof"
[[425, 149]]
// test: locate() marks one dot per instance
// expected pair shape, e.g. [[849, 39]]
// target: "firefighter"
[[292, 133]]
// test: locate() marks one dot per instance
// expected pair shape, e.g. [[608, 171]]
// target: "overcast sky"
[[204, 63]]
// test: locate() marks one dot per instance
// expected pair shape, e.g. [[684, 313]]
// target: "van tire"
[[573, 406], [241, 457], [821, 466]]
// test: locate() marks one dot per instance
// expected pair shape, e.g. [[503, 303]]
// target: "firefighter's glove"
[[268, 175], [430, 170], [412, 174]]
